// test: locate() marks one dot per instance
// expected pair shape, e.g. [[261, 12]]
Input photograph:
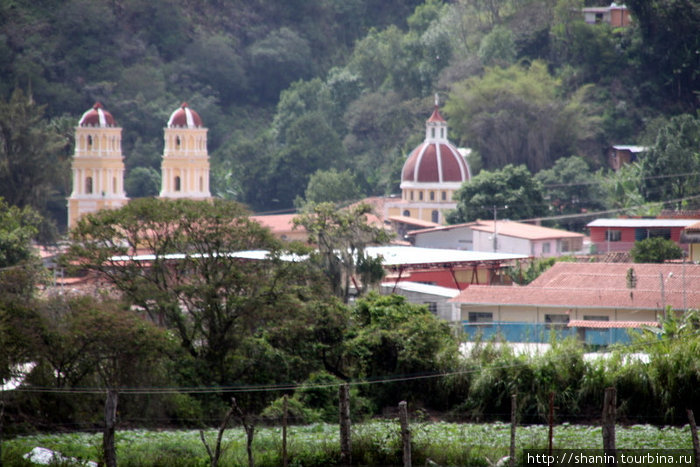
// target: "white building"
[[500, 236]]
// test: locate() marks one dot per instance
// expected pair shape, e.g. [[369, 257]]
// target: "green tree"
[[393, 337], [331, 186], [512, 191], [30, 151], [671, 168], [215, 302], [516, 116], [341, 237], [622, 189], [142, 181], [90, 341], [20, 272], [668, 51], [278, 59], [571, 189], [497, 47], [655, 250], [311, 144]]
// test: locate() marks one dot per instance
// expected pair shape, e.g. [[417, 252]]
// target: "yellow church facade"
[[98, 162]]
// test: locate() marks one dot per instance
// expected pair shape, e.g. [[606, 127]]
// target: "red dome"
[[98, 117], [435, 162], [184, 117]]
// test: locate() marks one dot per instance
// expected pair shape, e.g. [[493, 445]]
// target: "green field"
[[374, 443]]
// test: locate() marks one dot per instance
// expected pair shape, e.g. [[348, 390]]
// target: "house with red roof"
[[500, 236], [620, 234], [597, 301]]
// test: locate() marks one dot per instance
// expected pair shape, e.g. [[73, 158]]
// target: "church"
[[431, 175], [98, 163]]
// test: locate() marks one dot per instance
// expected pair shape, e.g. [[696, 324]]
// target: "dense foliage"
[[655, 250], [287, 89], [373, 443]]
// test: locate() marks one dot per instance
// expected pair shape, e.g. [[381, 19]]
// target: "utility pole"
[[495, 230]]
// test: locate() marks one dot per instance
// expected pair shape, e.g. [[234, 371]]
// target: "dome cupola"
[[184, 117], [435, 160], [97, 117]]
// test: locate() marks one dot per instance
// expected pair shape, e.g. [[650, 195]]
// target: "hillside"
[[289, 88]]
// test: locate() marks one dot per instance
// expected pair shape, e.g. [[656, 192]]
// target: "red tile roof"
[[580, 323], [596, 285], [278, 223], [412, 221], [526, 231]]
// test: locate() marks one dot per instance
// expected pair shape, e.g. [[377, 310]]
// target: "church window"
[[432, 132], [435, 216], [89, 141], [407, 213], [177, 142], [411, 195], [444, 196], [420, 195], [88, 185], [432, 196], [114, 184], [177, 184]]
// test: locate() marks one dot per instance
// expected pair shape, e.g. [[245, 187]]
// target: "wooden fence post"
[[405, 433], [284, 431], [108, 448], [694, 433], [551, 422], [344, 406], [609, 416], [513, 423]]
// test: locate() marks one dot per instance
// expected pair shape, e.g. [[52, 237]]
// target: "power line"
[[295, 386]]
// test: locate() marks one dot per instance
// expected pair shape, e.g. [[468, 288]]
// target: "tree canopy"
[[215, 301], [513, 192], [516, 115], [655, 250]]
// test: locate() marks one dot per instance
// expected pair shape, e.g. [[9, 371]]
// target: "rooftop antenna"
[[437, 100]]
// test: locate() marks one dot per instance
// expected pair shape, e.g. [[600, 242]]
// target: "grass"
[[374, 443]]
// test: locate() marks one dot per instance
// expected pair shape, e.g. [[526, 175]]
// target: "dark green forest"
[[290, 88]]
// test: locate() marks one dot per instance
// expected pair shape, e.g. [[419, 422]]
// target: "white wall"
[[451, 239]]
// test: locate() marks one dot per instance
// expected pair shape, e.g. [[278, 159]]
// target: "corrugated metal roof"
[[410, 255], [642, 223], [422, 288], [630, 148]]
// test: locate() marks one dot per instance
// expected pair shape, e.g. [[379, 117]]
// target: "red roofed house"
[[500, 236], [430, 176], [621, 234], [615, 15], [282, 226], [587, 298]]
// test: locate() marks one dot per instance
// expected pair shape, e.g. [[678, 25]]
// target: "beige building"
[[602, 292], [98, 163], [185, 165], [431, 175]]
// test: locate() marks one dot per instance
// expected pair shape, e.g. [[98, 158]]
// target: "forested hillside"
[[288, 88]]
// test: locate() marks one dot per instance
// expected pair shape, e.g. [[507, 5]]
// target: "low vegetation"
[[374, 443]]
